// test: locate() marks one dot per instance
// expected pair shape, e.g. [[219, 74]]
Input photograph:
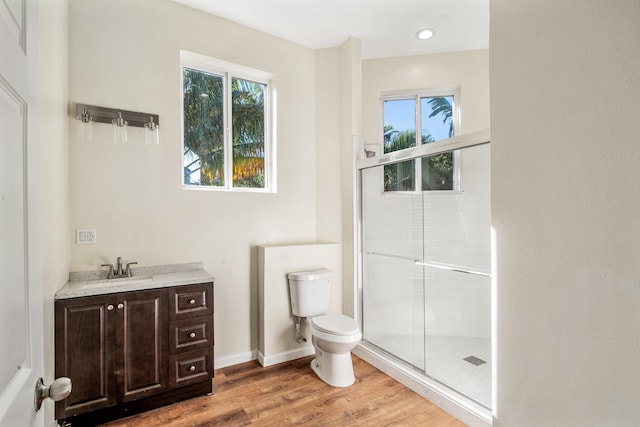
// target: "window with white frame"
[[226, 115], [414, 118]]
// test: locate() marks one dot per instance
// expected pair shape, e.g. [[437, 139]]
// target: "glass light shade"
[[120, 134], [151, 136], [119, 129], [151, 133], [84, 130]]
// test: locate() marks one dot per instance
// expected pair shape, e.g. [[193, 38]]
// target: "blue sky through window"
[[401, 115]]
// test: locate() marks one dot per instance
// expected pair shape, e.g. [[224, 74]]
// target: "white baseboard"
[[285, 356], [234, 359], [468, 412]]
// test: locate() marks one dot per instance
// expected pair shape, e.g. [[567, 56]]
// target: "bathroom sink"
[[124, 281]]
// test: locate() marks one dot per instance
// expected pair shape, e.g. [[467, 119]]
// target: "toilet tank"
[[310, 292]]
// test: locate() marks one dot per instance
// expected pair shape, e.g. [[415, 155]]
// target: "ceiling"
[[386, 28]]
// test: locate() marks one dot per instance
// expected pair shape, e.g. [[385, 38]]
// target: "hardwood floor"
[[290, 394]]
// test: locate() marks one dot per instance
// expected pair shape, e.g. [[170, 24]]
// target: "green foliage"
[[441, 105], [254, 181], [248, 133], [399, 176], [204, 130], [400, 140], [204, 125], [437, 172]]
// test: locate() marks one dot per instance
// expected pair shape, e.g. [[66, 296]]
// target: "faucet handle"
[[127, 271], [110, 275]]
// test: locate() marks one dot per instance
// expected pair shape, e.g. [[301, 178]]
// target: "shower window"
[[411, 119]]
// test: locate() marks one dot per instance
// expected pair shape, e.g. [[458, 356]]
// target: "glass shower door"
[[393, 298], [456, 267], [426, 260]]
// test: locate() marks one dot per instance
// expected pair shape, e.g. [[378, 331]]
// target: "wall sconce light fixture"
[[119, 128], [119, 119], [85, 124], [151, 134]]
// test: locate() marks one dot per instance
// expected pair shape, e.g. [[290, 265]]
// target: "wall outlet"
[[85, 236]]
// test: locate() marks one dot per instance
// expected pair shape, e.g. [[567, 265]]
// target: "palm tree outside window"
[[419, 118], [226, 127]]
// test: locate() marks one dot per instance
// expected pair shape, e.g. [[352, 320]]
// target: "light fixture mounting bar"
[[107, 115]]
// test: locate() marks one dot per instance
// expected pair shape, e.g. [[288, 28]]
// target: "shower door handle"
[[455, 268]]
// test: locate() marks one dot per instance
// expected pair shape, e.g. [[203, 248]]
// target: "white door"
[[20, 261]]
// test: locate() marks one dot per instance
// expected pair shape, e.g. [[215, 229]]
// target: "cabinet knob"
[[110, 307], [192, 301], [121, 306], [192, 335], [192, 368]]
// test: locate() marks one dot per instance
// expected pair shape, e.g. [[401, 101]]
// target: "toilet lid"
[[336, 324]]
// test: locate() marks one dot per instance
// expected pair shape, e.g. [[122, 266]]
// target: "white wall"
[[328, 146], [125, 54], [53, 72], [565, 91]]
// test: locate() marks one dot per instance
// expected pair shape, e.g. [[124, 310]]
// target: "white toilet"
[[332, 335]]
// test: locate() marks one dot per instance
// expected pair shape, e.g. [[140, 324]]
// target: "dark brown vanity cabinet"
[[132, 351], [190, 334]]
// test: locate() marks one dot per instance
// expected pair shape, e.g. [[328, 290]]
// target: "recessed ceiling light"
[[425, 34]]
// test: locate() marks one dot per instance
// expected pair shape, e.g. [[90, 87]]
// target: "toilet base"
[[335, 369]]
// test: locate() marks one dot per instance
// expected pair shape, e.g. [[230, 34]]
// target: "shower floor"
[[445, 362]]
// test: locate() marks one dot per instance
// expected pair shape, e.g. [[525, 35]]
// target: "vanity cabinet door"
[[142, 343], [85, 349], [114, 348]]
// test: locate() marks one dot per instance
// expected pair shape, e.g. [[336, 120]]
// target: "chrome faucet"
[[118, 271], [127, 270]]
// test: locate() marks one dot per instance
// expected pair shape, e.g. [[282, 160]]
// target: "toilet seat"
[[335, 324]]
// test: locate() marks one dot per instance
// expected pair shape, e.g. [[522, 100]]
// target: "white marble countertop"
[[88, 283]]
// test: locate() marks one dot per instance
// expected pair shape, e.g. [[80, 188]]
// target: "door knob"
[[58, 390]]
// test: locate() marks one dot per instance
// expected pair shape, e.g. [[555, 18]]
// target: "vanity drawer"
[[191, 367], [190, 334], [191, 301]]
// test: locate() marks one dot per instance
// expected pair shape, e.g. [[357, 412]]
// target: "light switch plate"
[[85, 236]]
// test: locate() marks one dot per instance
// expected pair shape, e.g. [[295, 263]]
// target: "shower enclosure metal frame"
[[465, 409]]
